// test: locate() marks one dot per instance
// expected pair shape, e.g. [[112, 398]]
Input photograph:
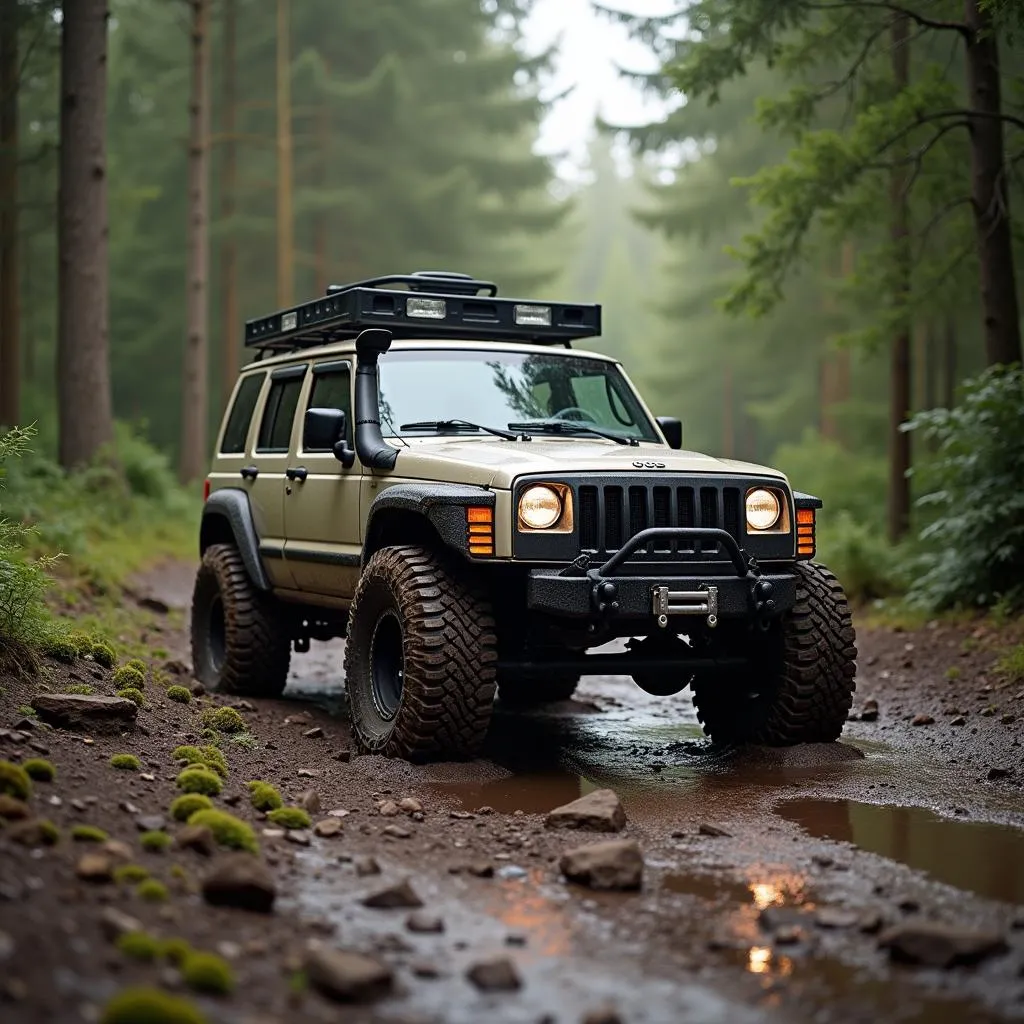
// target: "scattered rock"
[[6, 947], [959, 720], [298, 836], [346, 976], [410, 805], [240, 880], [198, 838], [496, 975], [328, 828], [310, 801], [344, 756], [387, 809], [481, 869], [196, 688], [94, 867], [12, 809], [118, 850], [308, 773], [366, 866], [934, 944], [869, 710], [114, 923], [993, 773], [314, 734], [790, 935], [773, 919], [151, 823], [613, 864], [706, 829], [602, 1015], [77, 711], [339, 812], [922, 719], [424, 923], [32, 832], [401, 894], [128, 807], [599, 811], [836, 917], [396, 832]]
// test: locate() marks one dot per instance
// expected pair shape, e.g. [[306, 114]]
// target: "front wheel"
[[239, 641], [420, 658], [800, 687]]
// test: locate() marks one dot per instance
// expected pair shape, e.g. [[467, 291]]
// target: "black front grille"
[[609, 515]]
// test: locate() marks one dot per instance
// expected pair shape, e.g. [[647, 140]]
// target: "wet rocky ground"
[[881, 878]]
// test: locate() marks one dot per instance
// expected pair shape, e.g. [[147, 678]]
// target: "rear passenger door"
[[267, 490], [322, 510]]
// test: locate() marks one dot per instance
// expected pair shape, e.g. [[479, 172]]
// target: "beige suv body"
[[476, 505]]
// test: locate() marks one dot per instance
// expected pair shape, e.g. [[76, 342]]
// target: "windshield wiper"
[[464, 425], [561, 427]]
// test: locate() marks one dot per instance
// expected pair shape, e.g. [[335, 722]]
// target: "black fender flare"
[[443, 506], [230, 507]]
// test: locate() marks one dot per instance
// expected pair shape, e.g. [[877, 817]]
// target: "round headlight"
[[763, 509], [540, 507]]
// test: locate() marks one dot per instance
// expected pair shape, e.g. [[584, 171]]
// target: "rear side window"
[[237, 429], [276, 427]]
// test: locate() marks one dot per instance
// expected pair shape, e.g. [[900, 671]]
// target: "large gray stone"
[[934, 944], [612, 864], [240, 880], [345, 976], [600, 811], [93, 714]]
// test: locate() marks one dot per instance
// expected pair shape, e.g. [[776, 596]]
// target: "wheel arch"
[[227, 519]]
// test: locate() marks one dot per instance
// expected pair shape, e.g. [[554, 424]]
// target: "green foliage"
[[263, 796], [179, 694], [206, 972], [150, 1006], [49, 834], [84, 689], [39, 769], [14, 781], [223, 720], [290, 817], [88, 834], [129, 677], [27, 711], [138, 664], [215, 759], [191, 755], [137, 697], [155, 841], [1010, 665], [103, 654], [139, 946], [128, 762], [60, 646], [972, 494], [227, 829], [199, 780], [152, 891], [183, 807], [130, 874], [175, 951], [865, 563]]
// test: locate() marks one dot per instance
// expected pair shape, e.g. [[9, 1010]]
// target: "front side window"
[[333, 390], [237, 429], [498, 388], [278, 415]]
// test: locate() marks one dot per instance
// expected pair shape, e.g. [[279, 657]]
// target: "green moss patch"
[[134, 694], [139, 946], [290, 817], [183, 807], [175, 951], [179, 694], [61, 646], [82, 689], [150, 1006], [206, 972], [88, 834], [129, 676], [223, 720], [152, 891], [126, 762], [130, 874], [14, 781], [138, 664], [102, 653], [263, 796], [199, 780], [216, 760], [155, 842], [40, 769], [227, 830]]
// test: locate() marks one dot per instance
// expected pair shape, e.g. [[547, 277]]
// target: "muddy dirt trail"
[[877, 879]]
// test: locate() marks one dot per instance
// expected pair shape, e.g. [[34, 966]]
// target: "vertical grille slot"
[[662, 511], [588, 519], [613, 518], [731, 500], [637, 510], [686, 516]]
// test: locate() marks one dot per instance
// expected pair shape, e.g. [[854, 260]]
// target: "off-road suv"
[[433, 473]]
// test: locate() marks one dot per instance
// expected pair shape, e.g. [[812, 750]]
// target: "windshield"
[[498, 388]]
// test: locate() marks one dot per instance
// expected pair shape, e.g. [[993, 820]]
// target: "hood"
[[495, 463]]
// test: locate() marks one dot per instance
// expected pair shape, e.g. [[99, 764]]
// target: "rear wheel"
[[800, 687], [533, 691], [420, 658], [240, 643]]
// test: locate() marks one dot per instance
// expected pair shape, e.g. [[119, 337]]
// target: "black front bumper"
[[708, 589]]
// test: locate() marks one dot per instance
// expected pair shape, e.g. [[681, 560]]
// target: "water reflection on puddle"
[[979, 857]]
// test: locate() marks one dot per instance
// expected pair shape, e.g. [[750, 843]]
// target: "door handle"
[[297, 473], [249, 472]]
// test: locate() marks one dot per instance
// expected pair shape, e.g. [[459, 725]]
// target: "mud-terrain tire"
[[420, 658], [240, 643], [805, 679], [534, 691]]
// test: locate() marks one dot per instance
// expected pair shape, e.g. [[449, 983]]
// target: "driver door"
[[323, 547]]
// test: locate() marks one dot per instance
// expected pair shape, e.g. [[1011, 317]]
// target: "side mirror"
[[324, 430], [672, 428]]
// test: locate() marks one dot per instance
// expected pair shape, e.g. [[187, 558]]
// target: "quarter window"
[[276, 427], [237, 429]]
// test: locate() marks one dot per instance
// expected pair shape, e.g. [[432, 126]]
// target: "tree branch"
[[919, 19]]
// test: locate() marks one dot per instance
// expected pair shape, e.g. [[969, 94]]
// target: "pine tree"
[[10, 327]]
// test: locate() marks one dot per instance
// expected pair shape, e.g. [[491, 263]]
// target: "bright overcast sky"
[[591, 47]]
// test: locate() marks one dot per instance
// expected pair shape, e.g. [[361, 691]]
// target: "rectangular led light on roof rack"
[[289, 321], [426, 309], [532, 316]]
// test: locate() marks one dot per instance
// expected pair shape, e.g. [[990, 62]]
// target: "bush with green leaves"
[[179, 694], [972, 495], [866, 564], [223, 720], [128, 676]]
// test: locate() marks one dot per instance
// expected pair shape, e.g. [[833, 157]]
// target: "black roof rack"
[[426, 304]]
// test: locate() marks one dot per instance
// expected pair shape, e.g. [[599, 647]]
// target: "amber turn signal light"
[[480, 531], [805, 533]]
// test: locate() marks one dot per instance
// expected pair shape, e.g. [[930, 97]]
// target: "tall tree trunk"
[[230, 327], [989, 192], [728, 415], [949, 363], [320, 227], [285, 222], [195, 411], [10, 326], [899, 380], [83, 359]]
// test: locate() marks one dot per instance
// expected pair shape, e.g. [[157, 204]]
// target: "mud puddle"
[[979, 857]]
